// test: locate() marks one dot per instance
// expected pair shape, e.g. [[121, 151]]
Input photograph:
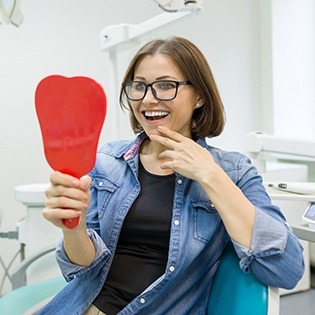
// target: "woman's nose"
[[149, 96]]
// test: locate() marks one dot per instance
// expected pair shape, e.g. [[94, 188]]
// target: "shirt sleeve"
[[71, 270], [264, 243]]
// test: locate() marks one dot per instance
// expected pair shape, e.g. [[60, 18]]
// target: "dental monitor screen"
[[309, 215]]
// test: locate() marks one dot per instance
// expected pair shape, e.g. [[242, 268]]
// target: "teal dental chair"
[[25, 298], [237, 293], [233, 293]]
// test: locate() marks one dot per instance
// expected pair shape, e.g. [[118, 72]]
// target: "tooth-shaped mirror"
[[71, 113]]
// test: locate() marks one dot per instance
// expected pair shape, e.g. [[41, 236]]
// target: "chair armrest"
[[273, 301]]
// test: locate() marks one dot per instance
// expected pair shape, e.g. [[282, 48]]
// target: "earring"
[[193, 125], [197, 105]]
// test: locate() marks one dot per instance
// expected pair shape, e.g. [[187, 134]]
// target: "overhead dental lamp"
[[179, 5], [10, 12]]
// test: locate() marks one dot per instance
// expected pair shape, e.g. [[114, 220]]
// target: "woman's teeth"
[[152, 115]]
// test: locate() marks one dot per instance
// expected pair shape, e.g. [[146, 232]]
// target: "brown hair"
[[208, 119]]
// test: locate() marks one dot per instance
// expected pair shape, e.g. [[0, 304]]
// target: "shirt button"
[[172, 268], [176, 222], [100, 184], [142, 300], [179, 181]]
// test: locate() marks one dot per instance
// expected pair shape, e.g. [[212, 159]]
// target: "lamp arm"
[[10, 12], [113, 36]]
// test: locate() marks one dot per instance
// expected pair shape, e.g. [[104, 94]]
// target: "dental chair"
[[237, 293], [25, 299], [233, 293]]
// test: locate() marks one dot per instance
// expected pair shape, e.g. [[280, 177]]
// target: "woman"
[[157, 212]]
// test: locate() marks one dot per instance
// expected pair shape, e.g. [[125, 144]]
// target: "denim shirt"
[[198, 237]]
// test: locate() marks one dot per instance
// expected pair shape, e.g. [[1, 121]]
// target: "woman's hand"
[[189, 159], [67, 198], [184, 156]]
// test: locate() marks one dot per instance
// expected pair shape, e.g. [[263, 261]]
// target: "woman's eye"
[[166, 86], [139, 86]]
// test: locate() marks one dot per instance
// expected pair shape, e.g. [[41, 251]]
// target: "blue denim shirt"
[[198, 237]]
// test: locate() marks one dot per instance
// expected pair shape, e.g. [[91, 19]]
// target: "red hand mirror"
[[71, 113]]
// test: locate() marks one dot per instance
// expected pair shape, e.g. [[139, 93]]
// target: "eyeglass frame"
[[147, 86]]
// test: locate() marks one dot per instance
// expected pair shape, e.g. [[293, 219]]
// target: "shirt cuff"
[[69, 269], [269, 238]]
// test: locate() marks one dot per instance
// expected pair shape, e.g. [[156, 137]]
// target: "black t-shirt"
[[142, 250]]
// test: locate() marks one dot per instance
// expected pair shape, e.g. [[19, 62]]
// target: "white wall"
[[294, 68], [288, 67], [62, 37]]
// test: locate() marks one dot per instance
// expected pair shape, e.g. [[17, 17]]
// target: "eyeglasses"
[[163, 90]]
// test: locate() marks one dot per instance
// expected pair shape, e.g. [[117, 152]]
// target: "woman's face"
[[151, 112]]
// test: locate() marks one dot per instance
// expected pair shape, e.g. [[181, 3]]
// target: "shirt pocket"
[[104, 190], [206, 220]]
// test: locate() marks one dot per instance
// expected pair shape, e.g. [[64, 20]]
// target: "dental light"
[[179, 5], [10, 12]]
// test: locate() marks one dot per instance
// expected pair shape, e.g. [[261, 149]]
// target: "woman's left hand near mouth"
[[184, 156]]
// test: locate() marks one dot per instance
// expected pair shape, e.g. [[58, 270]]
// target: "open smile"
[[155, 115]]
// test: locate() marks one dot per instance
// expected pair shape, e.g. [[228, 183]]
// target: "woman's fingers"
[[67, 198], [62, 191], [58, 178], [168, 138], [56, 216], [182, 154], [68, 186], [64, 202], [52, 214], [173, 135]]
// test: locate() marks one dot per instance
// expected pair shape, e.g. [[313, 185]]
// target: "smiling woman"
[[170, 92], [162, 207], [10, 12]]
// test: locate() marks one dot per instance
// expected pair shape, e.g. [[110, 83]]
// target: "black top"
[[142, 250]]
